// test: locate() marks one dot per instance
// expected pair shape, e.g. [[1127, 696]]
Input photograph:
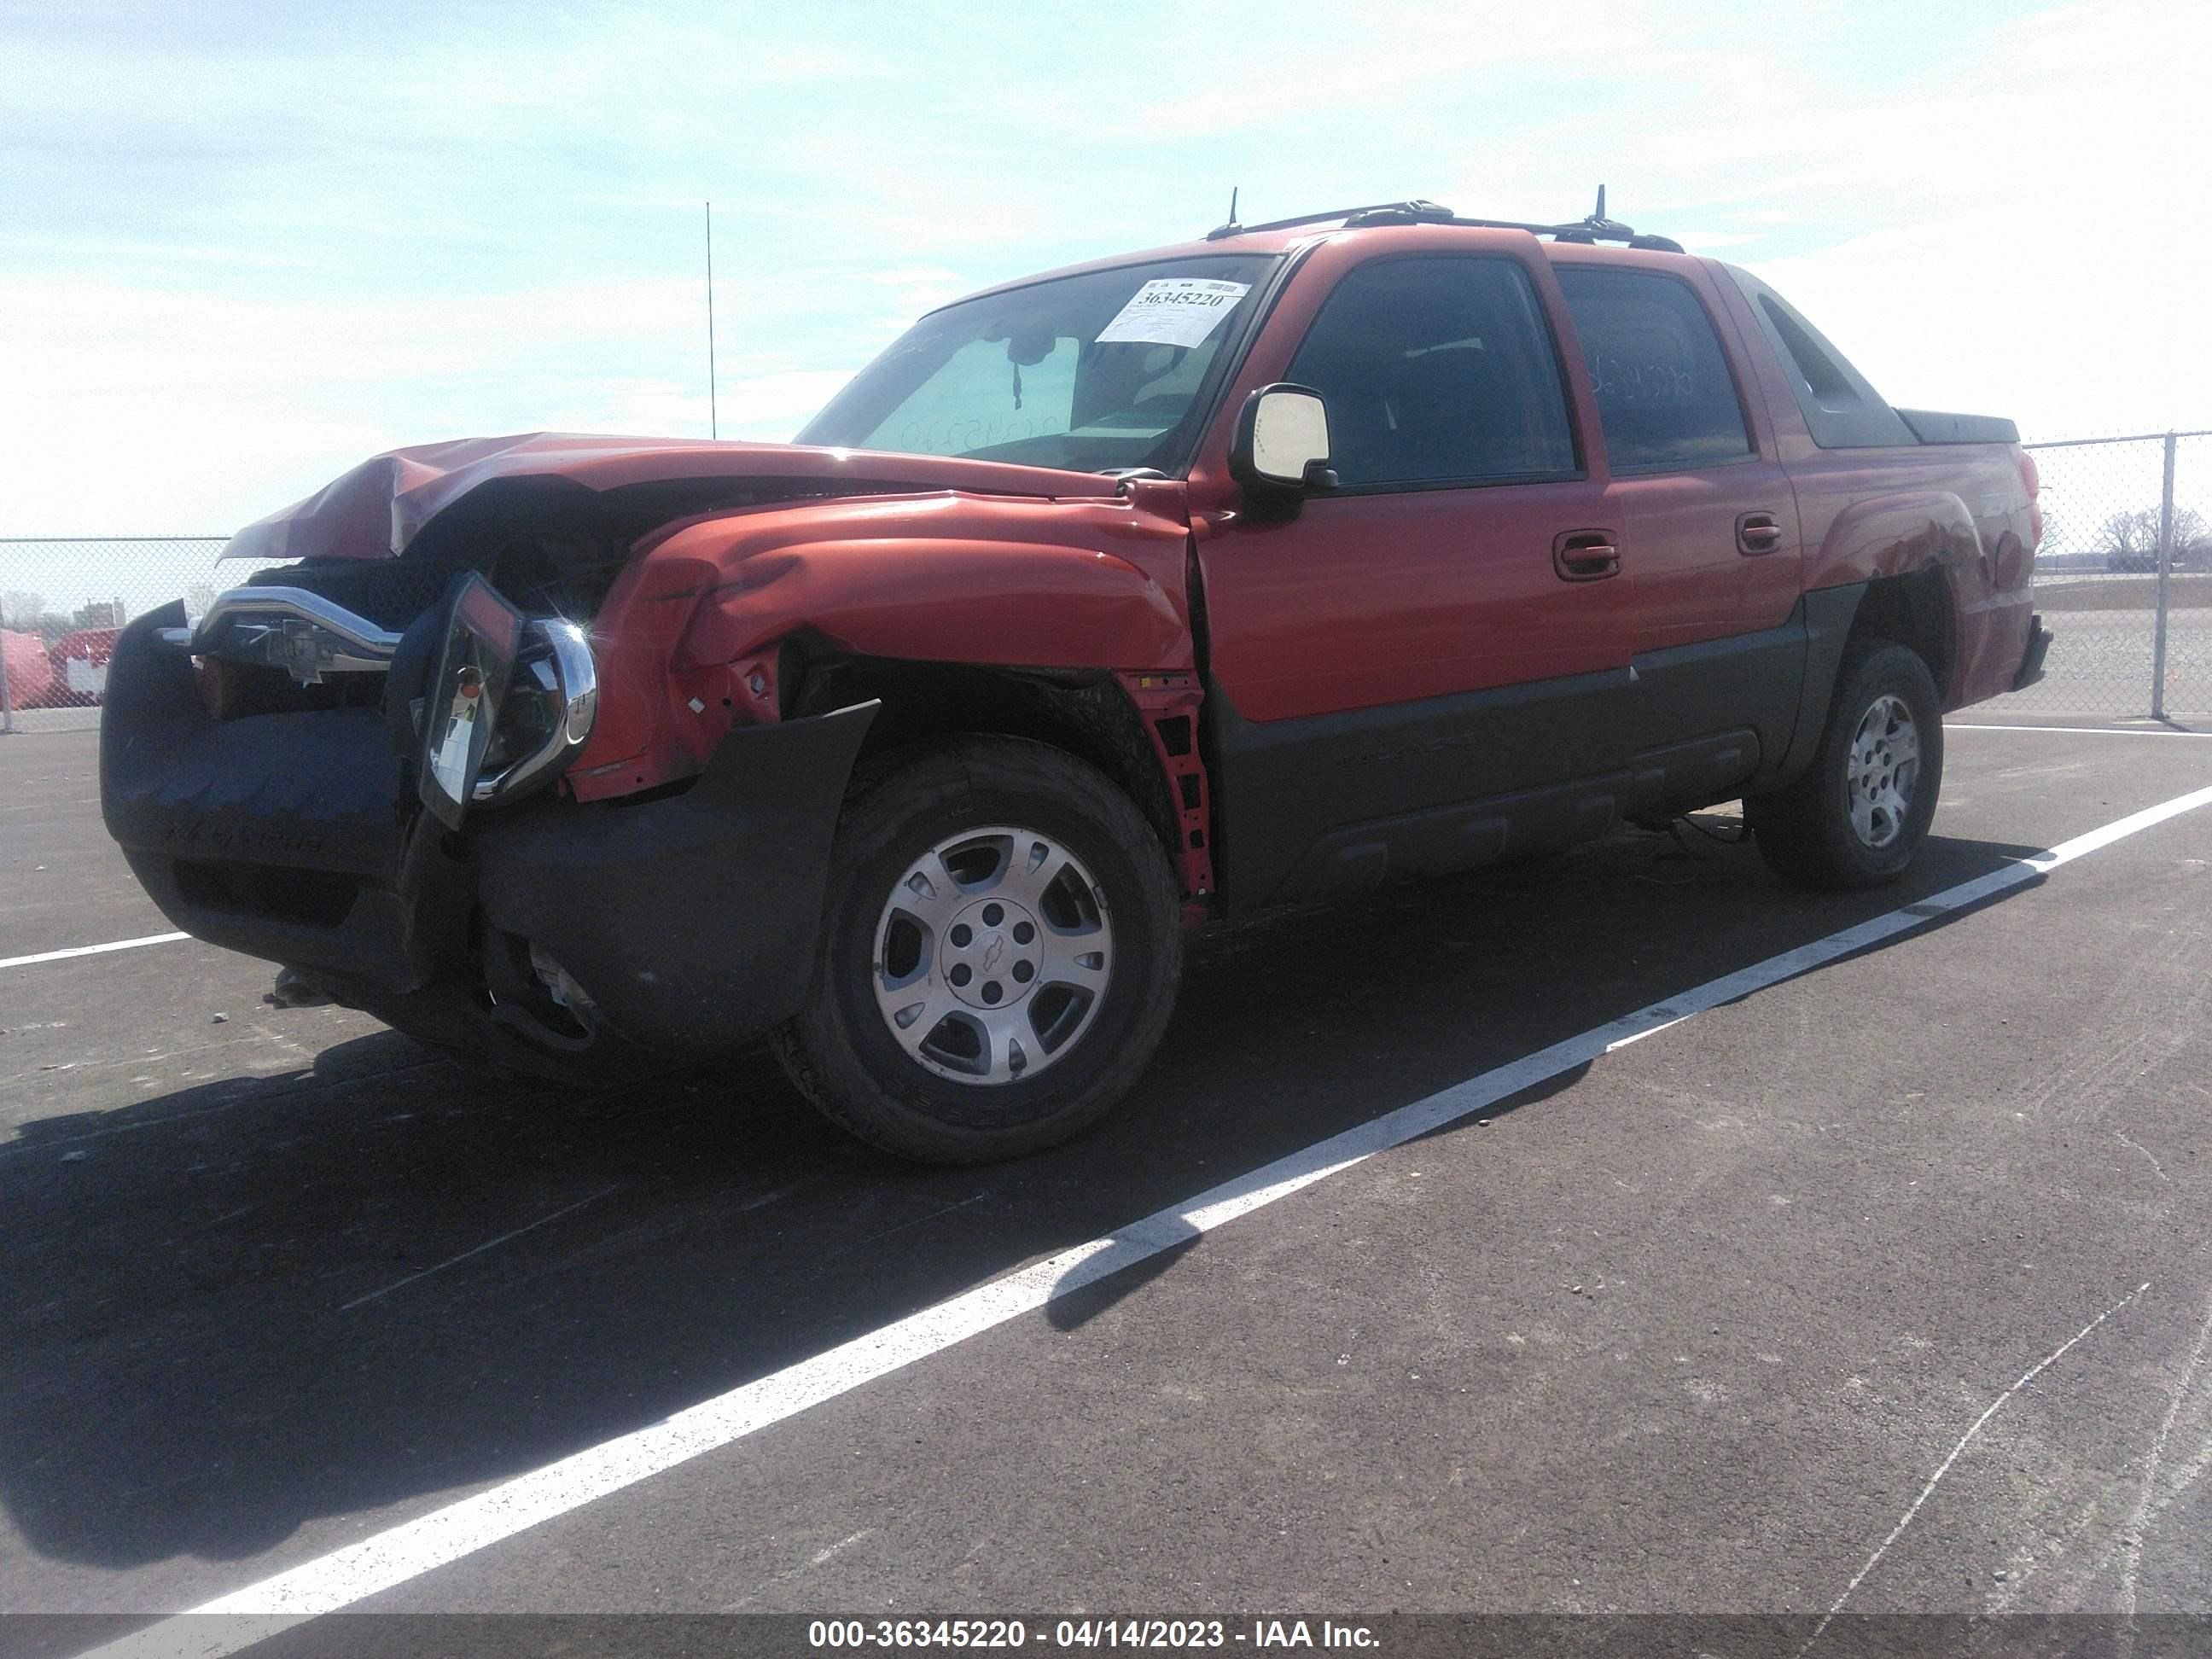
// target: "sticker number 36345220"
[[1177, 311]]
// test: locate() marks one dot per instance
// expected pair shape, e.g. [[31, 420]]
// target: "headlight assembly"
[[552, 699], [513, 700]]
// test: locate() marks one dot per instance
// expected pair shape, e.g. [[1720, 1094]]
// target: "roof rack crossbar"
[[1595, 229], [1232, 229]]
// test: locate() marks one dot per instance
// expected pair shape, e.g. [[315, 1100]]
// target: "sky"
[[243, 246]]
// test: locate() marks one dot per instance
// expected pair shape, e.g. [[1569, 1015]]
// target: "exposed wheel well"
[[1086, 714], [1913, 610]]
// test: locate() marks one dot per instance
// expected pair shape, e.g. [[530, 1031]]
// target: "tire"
[[1860, 812], [945, 1078]]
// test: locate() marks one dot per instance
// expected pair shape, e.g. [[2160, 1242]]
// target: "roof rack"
[[1595, 229]]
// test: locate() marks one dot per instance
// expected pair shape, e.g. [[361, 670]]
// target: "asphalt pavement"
[[1887, 1286]]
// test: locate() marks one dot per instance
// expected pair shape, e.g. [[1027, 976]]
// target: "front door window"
[[1438, 372]]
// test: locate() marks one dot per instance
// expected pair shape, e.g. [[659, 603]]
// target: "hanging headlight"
[[484, 634], [552, 699], [514, 700]]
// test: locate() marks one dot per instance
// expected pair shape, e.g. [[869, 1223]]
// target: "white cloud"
[[1712, 241], [772, 407], [1390, 59], [163, 408], [237, 258], [2032, 260]]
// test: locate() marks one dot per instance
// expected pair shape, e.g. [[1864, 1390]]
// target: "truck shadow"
[[235, 1310]]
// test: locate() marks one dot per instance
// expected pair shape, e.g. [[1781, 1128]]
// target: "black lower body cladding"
[[691, 921], [687, 923]]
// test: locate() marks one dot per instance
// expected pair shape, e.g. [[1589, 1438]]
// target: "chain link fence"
[[62, 604], [2123, 578]]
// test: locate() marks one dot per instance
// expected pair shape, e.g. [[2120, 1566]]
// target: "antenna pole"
[[713, 412]]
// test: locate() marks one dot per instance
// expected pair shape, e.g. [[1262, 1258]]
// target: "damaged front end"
[[369, 800], [495, 758], [515, 697]]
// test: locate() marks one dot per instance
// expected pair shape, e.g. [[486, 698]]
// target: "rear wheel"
[[1001, 946], [1859, 813]]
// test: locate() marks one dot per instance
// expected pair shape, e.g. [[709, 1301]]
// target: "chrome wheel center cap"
[[991, 953]]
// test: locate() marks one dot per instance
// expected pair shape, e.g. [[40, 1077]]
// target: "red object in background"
[[78, 668], [29, 674]]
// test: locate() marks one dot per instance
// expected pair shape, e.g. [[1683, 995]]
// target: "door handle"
[[1757, 533], [1585, 555]]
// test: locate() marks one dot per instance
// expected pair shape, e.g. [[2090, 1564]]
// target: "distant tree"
[[21, 610], [2131, 539], [2130, 532], [2192, 535]]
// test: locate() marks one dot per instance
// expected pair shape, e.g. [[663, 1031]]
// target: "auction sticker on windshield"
[[1176, 310]]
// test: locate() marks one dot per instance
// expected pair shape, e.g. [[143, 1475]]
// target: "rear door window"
[[1438, 370], [1665, 394]]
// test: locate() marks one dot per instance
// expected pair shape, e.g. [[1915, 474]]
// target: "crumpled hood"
[[375, 510]]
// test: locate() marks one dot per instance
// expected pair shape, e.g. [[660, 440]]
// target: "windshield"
[[1090, 373]]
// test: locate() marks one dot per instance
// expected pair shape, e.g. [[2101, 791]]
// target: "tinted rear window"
[[1664, 393]]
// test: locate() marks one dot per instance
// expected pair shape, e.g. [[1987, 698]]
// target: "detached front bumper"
[[561, 938]]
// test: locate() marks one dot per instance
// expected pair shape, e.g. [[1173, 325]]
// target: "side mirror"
[[1281, 447]]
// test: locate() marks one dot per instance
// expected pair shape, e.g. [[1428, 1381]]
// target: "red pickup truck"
[[1262, 569]]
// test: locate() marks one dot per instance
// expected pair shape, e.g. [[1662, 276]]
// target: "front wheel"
[[1001, 945], [1860, 810]]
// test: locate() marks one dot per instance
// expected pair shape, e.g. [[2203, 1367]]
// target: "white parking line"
[[414, 1547], [91, 950], [2079, 731]]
